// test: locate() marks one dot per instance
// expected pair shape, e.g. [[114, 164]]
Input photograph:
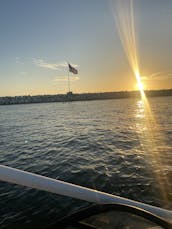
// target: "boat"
[[108, 211], [110, 216]]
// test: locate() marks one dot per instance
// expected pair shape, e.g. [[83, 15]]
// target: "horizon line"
[[147, 90]]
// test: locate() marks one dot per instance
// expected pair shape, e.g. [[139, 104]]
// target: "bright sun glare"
[[124, 17], [140, 85]]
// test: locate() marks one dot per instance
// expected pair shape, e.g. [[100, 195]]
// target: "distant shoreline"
[[9, 100]]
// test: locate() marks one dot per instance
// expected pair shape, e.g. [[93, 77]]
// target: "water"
[[98, 144]]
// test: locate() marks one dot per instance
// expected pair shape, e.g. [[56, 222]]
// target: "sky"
[[39, 37]]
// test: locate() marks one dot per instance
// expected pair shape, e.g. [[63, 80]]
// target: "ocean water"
[[108, 145]]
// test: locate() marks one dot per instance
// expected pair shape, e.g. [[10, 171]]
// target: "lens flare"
[[124, 18], [139, 84]]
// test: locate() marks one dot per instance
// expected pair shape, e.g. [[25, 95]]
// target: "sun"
[[140, 84]]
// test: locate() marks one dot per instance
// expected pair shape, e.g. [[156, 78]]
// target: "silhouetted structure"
[[80, 97]]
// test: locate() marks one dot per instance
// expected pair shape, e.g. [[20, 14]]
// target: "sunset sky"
[[38, 38]]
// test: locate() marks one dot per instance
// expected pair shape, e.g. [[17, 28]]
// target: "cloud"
[[158, 76], [53, 66], [18, 60], [60, 66]]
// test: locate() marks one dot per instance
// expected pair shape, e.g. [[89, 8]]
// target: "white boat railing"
[[32, 180]]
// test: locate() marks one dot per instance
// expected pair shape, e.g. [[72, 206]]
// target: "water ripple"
[[95, 144]]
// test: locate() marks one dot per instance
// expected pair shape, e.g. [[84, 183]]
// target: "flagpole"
[[68, 80]]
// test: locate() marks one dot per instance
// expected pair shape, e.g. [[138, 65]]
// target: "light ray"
[[124, 18]]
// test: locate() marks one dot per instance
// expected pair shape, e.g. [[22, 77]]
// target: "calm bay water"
[[104, 145]]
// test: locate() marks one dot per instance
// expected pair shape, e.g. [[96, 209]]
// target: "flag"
[[72, 69]]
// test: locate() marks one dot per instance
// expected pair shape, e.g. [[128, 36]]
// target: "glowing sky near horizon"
[[38, 37]]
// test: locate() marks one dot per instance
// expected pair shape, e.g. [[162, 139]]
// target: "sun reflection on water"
[[145, 121], [149, 129]]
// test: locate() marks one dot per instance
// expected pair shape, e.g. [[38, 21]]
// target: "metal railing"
[[32, 180]]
